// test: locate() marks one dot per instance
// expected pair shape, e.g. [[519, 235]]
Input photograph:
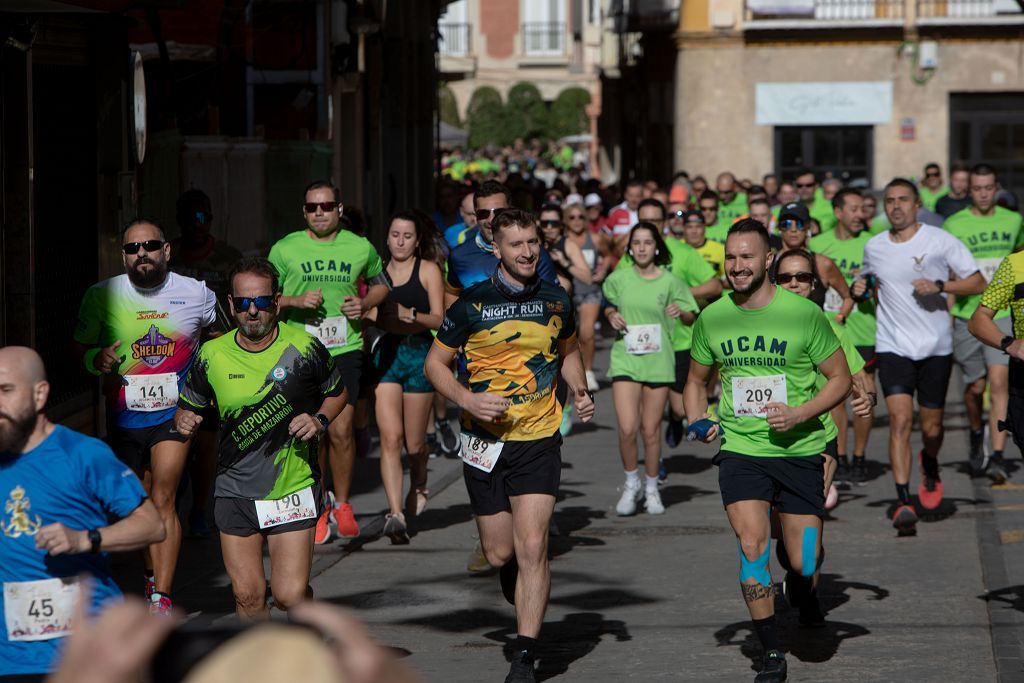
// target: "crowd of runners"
[[764, 318]]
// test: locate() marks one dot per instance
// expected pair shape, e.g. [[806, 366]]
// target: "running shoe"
[[632, 492], [150, 585], [832, 498], [652, 502], [859, 471], [773, 668], [976, 458], [508, 575], [323, 523], [197, 526], [160, 604], [592, 384], [395, 529], [811, 615], [521, 671], [566, 425], [842, 477], [674, 432], [477, 563], [929, 492], [446, 439], [996, 472], [662, 471], [433, 449], [905, 520], [345, 521]]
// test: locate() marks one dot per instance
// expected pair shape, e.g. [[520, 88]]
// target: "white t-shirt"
[[911, 325]]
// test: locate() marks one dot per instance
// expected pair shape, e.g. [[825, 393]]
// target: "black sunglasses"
[[786, 278], [326, 207], [149, 245], [551, 224], [485, 214], [263, 303]]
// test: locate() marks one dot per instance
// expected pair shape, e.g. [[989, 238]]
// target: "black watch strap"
[[941, 284], [323, 420], [1005, 342], [95, 540]]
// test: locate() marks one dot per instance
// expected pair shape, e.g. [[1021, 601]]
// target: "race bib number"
[[149, 393], [643, 339], [833, 302], [750, 395], [480, 453], [39, 610], [590, 256], [988, 267], [292, 508], [332, 332]]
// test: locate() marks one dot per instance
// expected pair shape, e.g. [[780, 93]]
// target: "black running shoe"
[[521, 672], [996, 472], [976, 457], [508, 575], [447, 441], [810, 611], [842, 478], [773, 668], [859, 471]]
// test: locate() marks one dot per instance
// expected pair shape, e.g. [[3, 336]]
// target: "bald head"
[[22, 363], [23, 394]]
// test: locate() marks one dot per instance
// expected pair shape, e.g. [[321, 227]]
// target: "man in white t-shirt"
[[908, 267]]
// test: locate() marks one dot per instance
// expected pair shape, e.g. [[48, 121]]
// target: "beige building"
[[864, 89]]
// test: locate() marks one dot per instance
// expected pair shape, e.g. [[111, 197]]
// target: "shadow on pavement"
[[1011, 596], [433, 519], [686, 464], [674, 495], [566, 521]]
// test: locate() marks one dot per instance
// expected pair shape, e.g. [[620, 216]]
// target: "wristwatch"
[[941, 284], [1005, 342], [95, 540], [413, 314], [322, 419]]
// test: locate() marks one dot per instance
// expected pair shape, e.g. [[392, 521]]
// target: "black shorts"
[[870, 360], [832, 448], [792, 484], [1015, 418], [132, 446], [211, 419], [524, 467], [650, 385], [929, 377], [682, 370], [350, 365], [237, 516]]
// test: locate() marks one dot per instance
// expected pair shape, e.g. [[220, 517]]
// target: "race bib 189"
[[643, 339], [480, 453], [39, 610], [332, 332], [988, 267], [750, 395], [292, 508], [150, 393]]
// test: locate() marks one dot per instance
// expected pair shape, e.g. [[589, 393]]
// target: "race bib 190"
[[750, 395], [150, 393], [39, 610], [480, 453], [833, 301], [332, 332], [292, 508], [643, 339]]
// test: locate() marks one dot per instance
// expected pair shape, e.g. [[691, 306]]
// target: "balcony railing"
[[454, 39], [543, 38], [968, 9], [879, 12]]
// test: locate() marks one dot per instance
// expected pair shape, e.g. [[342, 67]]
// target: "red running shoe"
[[929, 492], [346, 521], [160, 604], [905, 520]]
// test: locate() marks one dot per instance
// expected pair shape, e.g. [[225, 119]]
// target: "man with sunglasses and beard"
[[319, 269], [277, 388], [141, 332]]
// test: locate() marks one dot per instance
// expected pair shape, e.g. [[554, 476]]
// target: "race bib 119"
[[750, 395], [332, 332]]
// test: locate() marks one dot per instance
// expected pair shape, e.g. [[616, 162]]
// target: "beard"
[[755, 283], [16, 429], [148, 280], [521, 272], [255, 329]]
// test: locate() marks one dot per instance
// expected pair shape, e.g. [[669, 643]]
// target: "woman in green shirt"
[[644, 300]]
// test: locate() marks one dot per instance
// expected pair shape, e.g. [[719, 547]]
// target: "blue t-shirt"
[[473, 261], [72, 479], [451, 235]]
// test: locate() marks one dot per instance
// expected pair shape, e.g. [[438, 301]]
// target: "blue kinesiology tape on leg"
[[756, 569], [809, 552]]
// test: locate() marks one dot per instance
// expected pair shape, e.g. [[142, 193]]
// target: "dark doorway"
[[989, 128], [844, 152]]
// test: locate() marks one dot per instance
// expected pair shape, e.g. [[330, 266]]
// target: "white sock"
[[652, 482], [633, 478]]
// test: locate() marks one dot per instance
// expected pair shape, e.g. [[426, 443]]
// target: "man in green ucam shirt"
[[845, 246], [276, 389], [732, 203], [812, 197], [320, 268], [769, 345], [931, 188], [990, 233]]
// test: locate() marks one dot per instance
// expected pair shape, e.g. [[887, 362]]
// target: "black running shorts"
[[350, 365], [793, 484], [870, 360], [682, 370], [1015, 417], [133, 446], [237, 516], [929, 377], [523, 467]]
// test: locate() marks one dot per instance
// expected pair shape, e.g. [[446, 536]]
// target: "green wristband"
[[89, 357]]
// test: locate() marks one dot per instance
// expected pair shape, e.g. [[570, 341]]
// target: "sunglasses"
[[694, 224], [550, 224], [486, 214], [786, 278], [148, 245], [709, 208], [311, 207], [803, 186], [791, 224], [932, 174], [263, 303]]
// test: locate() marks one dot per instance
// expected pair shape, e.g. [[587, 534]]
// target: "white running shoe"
[[632, 493], [592, 384], [652, 502]]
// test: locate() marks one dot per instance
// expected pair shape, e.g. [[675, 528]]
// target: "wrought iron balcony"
[[454, 39], [543, 38]]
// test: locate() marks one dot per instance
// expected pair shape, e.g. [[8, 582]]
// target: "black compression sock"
[[997, 455], [903, 493], [767, 633], [930, 464], [523, 648]]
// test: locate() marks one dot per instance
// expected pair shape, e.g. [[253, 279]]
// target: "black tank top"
[[412, 294]]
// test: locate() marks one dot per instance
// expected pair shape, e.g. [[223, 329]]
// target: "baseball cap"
[[592, 199], [795, 210], [573, 198]]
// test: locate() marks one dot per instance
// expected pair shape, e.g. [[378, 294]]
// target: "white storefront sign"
[[824, 104]]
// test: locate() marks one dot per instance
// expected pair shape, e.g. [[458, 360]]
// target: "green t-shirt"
[[689, 266], [849, 258], [928, 198], [728, 213], [642, 301], [822, 211], [989, 239], [782, 344], [334, 267], [257, 395], [856, 363], [719, 231]]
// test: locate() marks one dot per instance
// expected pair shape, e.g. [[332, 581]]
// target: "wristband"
[[89, 357], [941, 284], [322, 419], [1005, 342], [95, 540]]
